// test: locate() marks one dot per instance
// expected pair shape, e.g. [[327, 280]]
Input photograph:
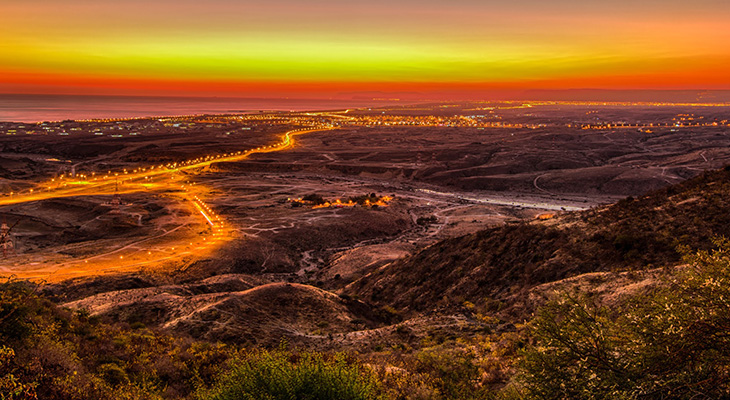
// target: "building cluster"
[[119, 128], [371, 201], [679, 121], [492, 117]]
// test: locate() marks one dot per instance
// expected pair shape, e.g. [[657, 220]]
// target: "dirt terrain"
[[280, 269]]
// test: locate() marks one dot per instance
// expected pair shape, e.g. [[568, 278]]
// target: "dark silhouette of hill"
[[501, 264]]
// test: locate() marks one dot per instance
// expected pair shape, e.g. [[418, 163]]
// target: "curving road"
[[167, 247]]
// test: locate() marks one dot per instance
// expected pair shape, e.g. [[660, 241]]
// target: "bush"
[[427, 220], [113, 374], [51, 353], [10, 386], [673, 343], [280, 374], [453, 372], [314, 198], [18, 306]]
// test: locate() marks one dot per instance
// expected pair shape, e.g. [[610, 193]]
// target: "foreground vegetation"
[[48, 352], [670, 342], [53, 353], [277, 375], [673, 342]]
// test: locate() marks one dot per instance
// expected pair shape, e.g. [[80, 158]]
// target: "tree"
[[671, 343]]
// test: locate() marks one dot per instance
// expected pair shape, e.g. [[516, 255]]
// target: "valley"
[[379, 231]]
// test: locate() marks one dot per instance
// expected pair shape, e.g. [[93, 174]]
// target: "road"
[[178, 245], [508, 202]]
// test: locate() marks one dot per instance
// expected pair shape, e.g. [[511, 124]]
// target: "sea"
[[38, 108]]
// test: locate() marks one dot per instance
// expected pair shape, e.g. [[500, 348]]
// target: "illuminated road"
[[139, 179], [189, 241]]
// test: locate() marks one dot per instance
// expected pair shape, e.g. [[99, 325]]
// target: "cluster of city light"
[[680, 121], [338, 203], [625, 104], [335, 204], [391, 119], [55, 187], [328, 120], [487, 121], [217, 234], [217, 225], [143, 179]]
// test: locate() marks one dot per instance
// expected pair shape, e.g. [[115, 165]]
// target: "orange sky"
[[325, 48]]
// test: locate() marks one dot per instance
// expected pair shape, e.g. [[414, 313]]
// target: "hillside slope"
[[250, 313], [503, 263]]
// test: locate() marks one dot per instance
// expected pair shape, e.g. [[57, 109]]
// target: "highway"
[[140, 179], [176, 246]]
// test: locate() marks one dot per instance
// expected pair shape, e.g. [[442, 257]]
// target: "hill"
[[234, 309], [500, 265]]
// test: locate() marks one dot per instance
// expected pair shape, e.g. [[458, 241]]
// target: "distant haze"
[[37, 108], [669, 96]]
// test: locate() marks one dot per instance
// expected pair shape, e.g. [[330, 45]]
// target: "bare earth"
[[269, 269]]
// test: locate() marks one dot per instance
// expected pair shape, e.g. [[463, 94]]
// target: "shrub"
[[453, 372], [17, 306], [314, 198], [10, 386], [51, 353], [427, 220], [113, 374], [280, 374], [672, 343]]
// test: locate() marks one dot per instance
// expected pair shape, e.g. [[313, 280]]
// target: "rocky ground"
[[361, 277]]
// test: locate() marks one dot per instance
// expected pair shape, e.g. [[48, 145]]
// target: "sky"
[[331, 48]]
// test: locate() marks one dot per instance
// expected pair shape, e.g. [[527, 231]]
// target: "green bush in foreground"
[[673, 343], [282, 375]]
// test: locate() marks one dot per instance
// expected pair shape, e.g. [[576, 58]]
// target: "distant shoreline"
[[30, 108], [35, 108]]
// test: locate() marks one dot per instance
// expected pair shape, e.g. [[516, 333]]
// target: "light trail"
[[149, 179], [205, 215], [135, 181]]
